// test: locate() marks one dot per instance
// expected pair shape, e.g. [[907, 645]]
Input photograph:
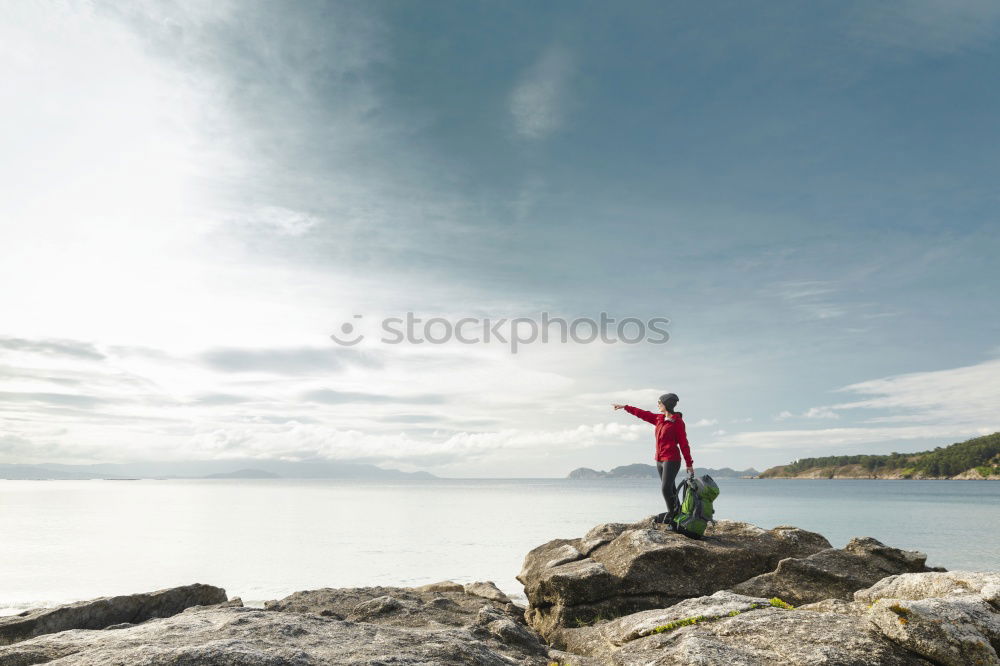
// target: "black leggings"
[[667, 470]]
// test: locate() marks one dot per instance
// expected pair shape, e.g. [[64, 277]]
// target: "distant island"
[[243, 474], [643, 471], [248, 468], [977, 458]]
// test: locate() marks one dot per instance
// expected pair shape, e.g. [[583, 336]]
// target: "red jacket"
[[670, 434]]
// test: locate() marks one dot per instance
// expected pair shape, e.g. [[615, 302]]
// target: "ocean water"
[[63, 541]]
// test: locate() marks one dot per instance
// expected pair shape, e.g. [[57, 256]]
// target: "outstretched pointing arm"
[[649, 417]]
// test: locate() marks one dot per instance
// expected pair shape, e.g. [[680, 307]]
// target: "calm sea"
[[63, 541]]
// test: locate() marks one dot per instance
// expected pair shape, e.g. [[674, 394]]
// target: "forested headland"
[[977, 458]]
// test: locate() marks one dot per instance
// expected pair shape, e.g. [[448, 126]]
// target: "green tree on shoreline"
[[981, 453]]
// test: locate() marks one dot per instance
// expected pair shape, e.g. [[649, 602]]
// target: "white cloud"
[[811, 413], [947, 405], [840, 437], [820, 413], [700, 423], [802, 289], [296, 440], [82, 401], [103, 164], [465, 445], [283, 221], [538, 101], [965, 395], [935, 27], [153, 153], [812, 298]]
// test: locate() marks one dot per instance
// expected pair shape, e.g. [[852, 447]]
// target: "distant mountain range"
[[208, 469], [643, 471], [244, 474]]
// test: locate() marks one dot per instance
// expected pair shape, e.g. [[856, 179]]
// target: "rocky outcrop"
[[620, 568], [435, 606], [940, 618], [979, 474], [866, 604], [107, 611], [833, 573], [942, 584], [605, 638], [950, 618], [727, 628], [907, 619], [440, 623], [255, 637]]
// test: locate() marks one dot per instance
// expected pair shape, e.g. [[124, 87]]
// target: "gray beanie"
[[669, 400]]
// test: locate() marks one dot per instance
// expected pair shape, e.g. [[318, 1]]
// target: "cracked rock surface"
[[867, 604], [434, 624], [624, 595], [107, 611], [950, 618], [620, 568], [834, 573]]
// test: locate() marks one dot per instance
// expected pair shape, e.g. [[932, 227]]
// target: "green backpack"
[[696, 506]]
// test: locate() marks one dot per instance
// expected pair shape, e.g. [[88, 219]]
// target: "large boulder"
[[984, 584], [912, 619], [604, 639], [770, 636], [107, 611], [833, 573], [440, 623], [618, 568], [727, 628], [951, 618], [256, 637], [438, 605]]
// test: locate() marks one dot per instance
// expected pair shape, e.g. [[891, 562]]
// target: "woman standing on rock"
[[670, 436]]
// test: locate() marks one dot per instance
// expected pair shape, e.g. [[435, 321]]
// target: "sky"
[[198, 195]]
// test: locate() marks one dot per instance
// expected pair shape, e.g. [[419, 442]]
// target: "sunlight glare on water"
[[264, 539]]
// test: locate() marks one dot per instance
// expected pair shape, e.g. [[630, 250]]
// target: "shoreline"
[[867, 478], [802, 600]]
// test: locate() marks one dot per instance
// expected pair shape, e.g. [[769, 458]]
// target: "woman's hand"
[[617, 406], [690, 471]]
